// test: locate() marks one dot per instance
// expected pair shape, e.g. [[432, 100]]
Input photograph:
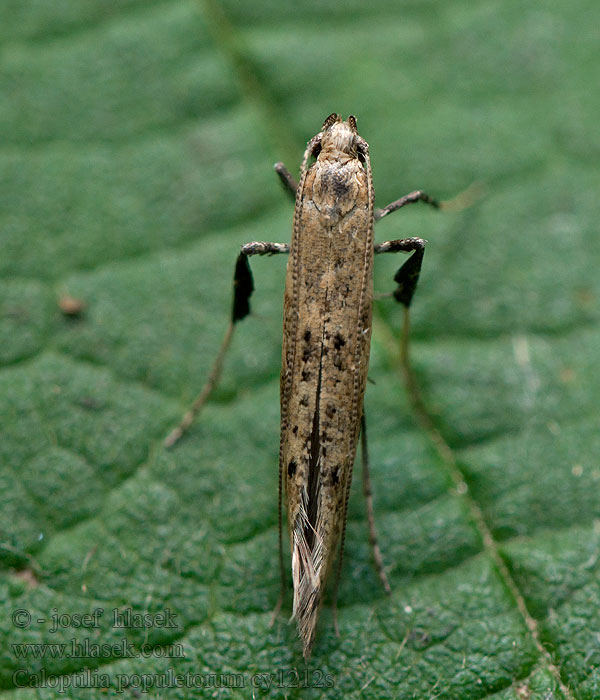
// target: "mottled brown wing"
[[327, 330]]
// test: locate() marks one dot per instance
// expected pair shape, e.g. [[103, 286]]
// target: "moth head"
[[339, 136]]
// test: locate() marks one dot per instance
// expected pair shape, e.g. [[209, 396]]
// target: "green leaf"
[[137, 149]]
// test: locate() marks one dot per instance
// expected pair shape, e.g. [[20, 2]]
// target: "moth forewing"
[[325, 356]]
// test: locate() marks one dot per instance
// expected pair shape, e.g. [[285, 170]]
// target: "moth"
[[327, 317]]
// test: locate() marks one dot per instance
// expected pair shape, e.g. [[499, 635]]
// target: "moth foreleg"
[[243, 286], [287, 179], [411, 198]]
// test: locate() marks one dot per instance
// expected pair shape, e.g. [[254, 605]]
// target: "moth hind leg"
[[378, 559]]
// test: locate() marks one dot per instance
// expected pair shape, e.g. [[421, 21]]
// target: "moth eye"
[[362, 150], [352, 122], [331, 119]]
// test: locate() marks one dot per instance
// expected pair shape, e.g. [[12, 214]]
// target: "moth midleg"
[[287, 179], [407, 278], [243, 286], [408, 275]]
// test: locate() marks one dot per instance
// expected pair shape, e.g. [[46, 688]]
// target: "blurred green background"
[[137, 148]]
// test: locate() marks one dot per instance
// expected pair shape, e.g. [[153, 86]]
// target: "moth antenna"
[[331, 119]]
